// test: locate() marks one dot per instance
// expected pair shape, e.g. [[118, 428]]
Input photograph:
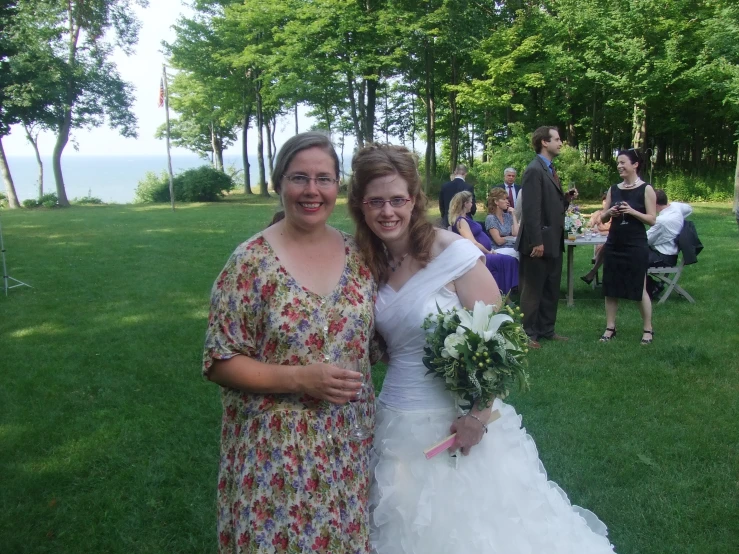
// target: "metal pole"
[[7, 277], [169, 154]]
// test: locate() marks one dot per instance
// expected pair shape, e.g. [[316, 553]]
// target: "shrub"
[[152, 188], [715, 187], [3, 200], [47, 201], [202, 184], [87, 200]]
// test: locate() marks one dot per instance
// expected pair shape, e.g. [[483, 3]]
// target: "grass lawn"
[[109, 437]]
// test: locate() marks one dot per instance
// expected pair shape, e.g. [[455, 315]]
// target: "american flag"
[[161, 93]]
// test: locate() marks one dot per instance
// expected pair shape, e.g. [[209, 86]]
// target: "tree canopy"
[[655, 74]]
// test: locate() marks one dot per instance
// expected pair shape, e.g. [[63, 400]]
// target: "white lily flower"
[[482, 322]]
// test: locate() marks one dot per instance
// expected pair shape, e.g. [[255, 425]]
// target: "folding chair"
[[689, 246], [670, 276]]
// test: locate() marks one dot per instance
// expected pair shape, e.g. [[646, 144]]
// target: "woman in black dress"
[[631, 204]]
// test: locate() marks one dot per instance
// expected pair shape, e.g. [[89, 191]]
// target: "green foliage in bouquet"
[[480, 354]]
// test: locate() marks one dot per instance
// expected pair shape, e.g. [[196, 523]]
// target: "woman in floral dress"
[[291, 316]]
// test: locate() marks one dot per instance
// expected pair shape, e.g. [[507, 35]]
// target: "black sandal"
[[585, 278], [647, 341], [604, 338]]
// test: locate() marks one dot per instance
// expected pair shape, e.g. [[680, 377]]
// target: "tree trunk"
[[65, 124], [268, 127], [358, 131], [8, 179], [369, 116], [296, 118], [217, 146], [430, 111], [341, 159], [593, 125], [736, 185], [263, 189], [34, 142], [661, 153], [244, 150], [274, 143], [454, 121], [56, 156], [639, 139]]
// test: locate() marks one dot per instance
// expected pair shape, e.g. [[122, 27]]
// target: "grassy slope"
[[109, 438]]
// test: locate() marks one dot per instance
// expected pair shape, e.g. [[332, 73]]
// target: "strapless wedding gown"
[[497, 500]]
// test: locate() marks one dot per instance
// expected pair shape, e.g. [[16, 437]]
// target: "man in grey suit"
[[509, 185], [540, 240], [448, 190]]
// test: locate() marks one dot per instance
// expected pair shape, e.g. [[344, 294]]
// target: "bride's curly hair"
[[379, 160]]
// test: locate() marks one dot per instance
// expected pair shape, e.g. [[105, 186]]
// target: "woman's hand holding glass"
[[328, 382], [358, 429], [615, 210]]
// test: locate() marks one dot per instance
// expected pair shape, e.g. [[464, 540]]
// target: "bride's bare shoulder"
[[443, 239]]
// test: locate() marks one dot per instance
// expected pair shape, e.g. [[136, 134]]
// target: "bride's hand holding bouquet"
[[481, 355]]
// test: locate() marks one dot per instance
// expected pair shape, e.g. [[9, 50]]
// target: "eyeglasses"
[[379, 203], [300, 180]]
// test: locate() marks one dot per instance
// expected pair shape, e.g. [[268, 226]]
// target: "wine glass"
[[623, 216], [359, 431]]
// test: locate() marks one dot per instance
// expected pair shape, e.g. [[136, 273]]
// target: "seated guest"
[[596, 223], [503, 268], [501, 222], [662, 236]]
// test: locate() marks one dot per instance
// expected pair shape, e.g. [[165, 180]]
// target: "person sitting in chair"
[[662, 237]]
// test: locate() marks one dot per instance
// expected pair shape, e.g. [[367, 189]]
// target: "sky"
[[143, 70]]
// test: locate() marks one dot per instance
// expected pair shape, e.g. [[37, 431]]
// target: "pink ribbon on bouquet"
[[447, 443]]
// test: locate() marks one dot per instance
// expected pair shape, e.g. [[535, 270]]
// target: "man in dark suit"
[[540, 240], [448, 190], [509, 185]]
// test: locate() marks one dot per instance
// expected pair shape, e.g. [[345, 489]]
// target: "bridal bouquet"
[[574, 221], [480, 354]]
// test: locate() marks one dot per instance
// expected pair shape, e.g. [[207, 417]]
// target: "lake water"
[[110, 178]]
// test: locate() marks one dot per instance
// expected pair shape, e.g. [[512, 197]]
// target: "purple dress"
[[503, 268]]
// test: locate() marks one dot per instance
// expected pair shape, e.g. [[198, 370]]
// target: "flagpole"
[[169, 154]]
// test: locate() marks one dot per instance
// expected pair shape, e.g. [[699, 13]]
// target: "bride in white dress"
[[494, 498]]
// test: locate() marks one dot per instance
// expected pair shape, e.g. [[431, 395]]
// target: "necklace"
[[393, 266], [633, 185]]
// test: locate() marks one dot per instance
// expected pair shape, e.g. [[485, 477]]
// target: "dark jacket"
[[516, 189], [448, 190], [543, 216], [688, 243]]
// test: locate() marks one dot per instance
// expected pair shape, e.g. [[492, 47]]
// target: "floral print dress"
[[289, 480]]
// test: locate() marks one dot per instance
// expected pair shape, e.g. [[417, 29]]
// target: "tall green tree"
[[90, 90], [8, 48]]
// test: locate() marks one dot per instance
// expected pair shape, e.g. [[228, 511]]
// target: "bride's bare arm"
[[477, 284]]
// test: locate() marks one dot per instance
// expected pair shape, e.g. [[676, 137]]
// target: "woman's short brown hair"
[[296, 144], [379, 160], [494, 195]]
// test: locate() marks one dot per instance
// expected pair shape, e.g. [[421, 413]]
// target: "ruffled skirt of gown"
[[497, 500]]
